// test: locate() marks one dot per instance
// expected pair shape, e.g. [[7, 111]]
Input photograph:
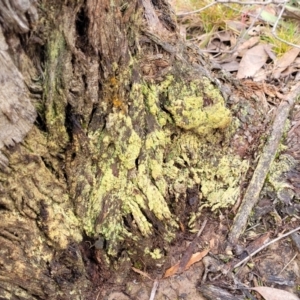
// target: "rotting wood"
[[267, 157]]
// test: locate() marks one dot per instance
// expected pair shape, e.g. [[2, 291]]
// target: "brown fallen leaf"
[[270, 90], [274, 294], [285, 61], [248, 44], [235, 26], [288, 71], [172, 271], [142, 273], [252, 61], [230, 66], [212, 243], [194, 258]]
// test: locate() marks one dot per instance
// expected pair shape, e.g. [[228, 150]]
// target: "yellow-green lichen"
[[155, 139], [164, 154], [144, 226], [62, 226], [155, 254], [215, 169], [279, 167], [128, 143], [41, 195], [155, 200], [190, 112], [220, 180]]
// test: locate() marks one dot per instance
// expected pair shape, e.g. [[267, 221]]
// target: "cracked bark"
[[94, 181]]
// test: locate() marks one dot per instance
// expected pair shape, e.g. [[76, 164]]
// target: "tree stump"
[[111, 138]]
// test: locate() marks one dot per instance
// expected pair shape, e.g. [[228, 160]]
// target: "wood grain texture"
[[18, 15], [17, 114]]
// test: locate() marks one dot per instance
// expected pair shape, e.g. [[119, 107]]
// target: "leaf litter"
[[274, 294]]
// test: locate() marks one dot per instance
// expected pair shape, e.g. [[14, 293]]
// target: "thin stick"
[[202, 228], [154, 289], [267, 157], [264, 246], [288, 263]]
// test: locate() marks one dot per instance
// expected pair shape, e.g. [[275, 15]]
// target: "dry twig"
[[267, 157], [264, 246], [154, 289]]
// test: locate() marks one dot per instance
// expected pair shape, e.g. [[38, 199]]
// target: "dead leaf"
[[212, 243], [270, 90], [236, 26], [252, 61], [141, 273], [285, 61], [194, 258], [270, 52], [224, 36], [292, 12], [288, 71], [258, 242], [274, 294], [186, 257], [260, 75], [230, 66], [171, 271], [255, 31], [248, 44]]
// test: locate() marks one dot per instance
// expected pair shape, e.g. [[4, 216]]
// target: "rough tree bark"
[[128, 137]]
